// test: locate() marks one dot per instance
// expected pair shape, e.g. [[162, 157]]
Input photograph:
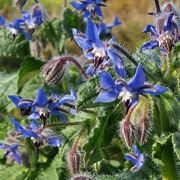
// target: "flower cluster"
[[27, 24], [102, 54], [40, 109], [166, 31]]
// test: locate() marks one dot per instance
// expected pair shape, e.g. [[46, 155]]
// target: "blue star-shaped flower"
[[128, 91], [35, 18], [100, 53], [137, 159], [15, 27], [89, 8], [12, 150], [42, 107], [36, 133]]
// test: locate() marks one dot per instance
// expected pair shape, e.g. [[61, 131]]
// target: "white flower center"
[[43, 111], [99, 52], [125, 95], [91, 7]]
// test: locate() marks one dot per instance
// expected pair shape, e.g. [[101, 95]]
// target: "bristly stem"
[[76, 63], [157, 6], [126, 53], [59, 124]]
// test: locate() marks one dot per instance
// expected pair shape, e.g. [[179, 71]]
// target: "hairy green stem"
[[169, 171], [58, 124]]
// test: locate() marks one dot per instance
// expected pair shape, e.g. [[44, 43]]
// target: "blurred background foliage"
[[132, 13]]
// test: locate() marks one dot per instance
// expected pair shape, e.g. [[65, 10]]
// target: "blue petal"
[[54, 141], [34, 125], [131, 158], [34, 115], [2, 21], [107, 96], [116, 21], [98, 11], [41, 99], [92, 33], [115, 58], [156, 90], [15, 99], [26, 15], [106, 80], [150, 29], [13, 147], [89, 70], [149, 45], [23, 103], [29, 134], [136, 151], [120, 71], [78, 6], [26, 34], [17, 157], [138, 79], [16, 125], [81, 41], [134, 102], [169, 24], [86, 15]]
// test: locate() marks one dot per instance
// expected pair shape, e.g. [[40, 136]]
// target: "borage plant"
[[121, 117]]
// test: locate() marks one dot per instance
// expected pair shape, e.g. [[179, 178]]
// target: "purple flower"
[[137, 159], [89, 8], [12, 150], [100, 53], [128, 91]]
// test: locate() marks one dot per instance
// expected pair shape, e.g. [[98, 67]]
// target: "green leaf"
[[171, 107], [12, 51], [157, 148], [176, 144], [13, 172], [103, 132], [72, 20], [29, 69]]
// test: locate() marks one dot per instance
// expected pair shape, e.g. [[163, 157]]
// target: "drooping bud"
[[74, 160], [36, 48], [54, 70], [127, 130], [74, 157], [19, 3], [140, 120], [166, 41]]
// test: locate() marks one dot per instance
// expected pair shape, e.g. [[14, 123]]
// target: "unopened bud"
[[19, 3], [127, 132], [53, 71], [166, 41]]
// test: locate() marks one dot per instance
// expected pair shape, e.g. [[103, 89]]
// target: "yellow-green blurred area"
[[132, 13]]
